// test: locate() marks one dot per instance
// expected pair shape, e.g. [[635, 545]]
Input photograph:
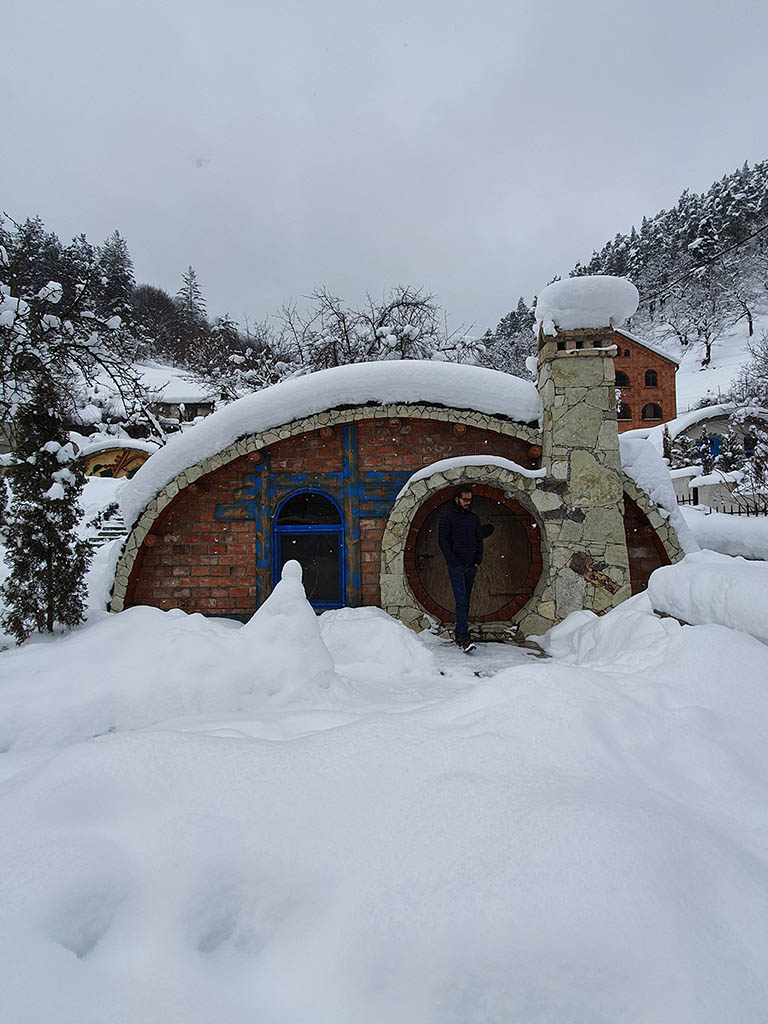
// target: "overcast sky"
[[475, 149]]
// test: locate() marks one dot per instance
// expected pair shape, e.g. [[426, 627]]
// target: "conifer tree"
[[191, 308], [116, 282], [508, 347], [730, 455], [704, 453], [45, 587], [685, 452], [3, 503]]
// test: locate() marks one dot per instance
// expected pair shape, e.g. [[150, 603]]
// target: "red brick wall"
[[417, 443], [637, 395], [194, 561]]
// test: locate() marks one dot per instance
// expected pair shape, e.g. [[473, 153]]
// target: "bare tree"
[[405, 324]]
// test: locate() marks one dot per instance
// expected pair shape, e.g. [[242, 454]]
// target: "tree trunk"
[[49, 590]]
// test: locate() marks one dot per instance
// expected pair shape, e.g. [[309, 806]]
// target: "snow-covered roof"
[[649, 345], [718, 476], [469, 460], [452, 385], [684, 471], [171, 385], [586, 302], [680, 423], [102, 444]]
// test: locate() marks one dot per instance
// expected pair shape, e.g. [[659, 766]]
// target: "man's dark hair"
[[462, 489]]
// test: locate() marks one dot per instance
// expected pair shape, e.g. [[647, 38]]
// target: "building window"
[[623, 412], [308, 527], [626, 353], [622, 380], [651, 379], [652, 411]]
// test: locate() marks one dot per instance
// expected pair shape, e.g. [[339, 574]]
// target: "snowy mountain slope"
[[729, 353]]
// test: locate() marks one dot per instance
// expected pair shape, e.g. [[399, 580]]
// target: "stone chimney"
[[588, 562]]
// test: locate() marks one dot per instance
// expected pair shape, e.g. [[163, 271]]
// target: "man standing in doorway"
[[461, 541]]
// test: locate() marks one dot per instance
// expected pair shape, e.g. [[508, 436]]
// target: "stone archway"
[[408, 593], [511, 566]]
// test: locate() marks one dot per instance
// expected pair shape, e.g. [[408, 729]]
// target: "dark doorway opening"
[[511, 563], [308, 528]]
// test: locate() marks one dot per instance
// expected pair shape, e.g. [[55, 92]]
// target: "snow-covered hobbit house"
[[347, 471]]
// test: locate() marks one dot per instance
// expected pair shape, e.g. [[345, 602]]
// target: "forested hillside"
[[700, 267]]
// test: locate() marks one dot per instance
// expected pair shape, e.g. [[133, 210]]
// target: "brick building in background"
[[645, 379]]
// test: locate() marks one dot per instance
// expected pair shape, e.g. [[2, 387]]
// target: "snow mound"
[[581, 302], [406, 381], [642, 462], [746, 536], [707, 587], [144, 666], [366, 643], [282, 642], [628, 638]]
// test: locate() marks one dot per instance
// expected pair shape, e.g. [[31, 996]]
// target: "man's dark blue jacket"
[[460, 537]]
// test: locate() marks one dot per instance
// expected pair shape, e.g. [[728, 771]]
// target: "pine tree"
[[191, 308], [45, 587], [508, 347], [50, 326], [116, 280], [685, 452], [704, 453], [730, 455], [3, 503]]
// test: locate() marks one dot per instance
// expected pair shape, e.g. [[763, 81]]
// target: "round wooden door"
[[510, 565]]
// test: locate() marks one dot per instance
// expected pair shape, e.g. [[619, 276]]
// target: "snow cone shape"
[[282, 643]]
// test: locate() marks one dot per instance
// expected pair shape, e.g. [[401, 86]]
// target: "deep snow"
[[334, 820]]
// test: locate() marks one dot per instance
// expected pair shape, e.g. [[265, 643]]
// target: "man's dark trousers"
[[462, 578]]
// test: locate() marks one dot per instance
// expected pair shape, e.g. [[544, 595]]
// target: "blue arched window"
[[309, 527]]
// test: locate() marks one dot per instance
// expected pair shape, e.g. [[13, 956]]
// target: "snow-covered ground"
[[729, 353], [746, 536], [333, 820]]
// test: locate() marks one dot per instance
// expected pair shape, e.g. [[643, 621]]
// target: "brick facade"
[[636, 361], [209, 550]]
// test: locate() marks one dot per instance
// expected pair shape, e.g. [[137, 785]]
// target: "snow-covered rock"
[[461, 461]]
